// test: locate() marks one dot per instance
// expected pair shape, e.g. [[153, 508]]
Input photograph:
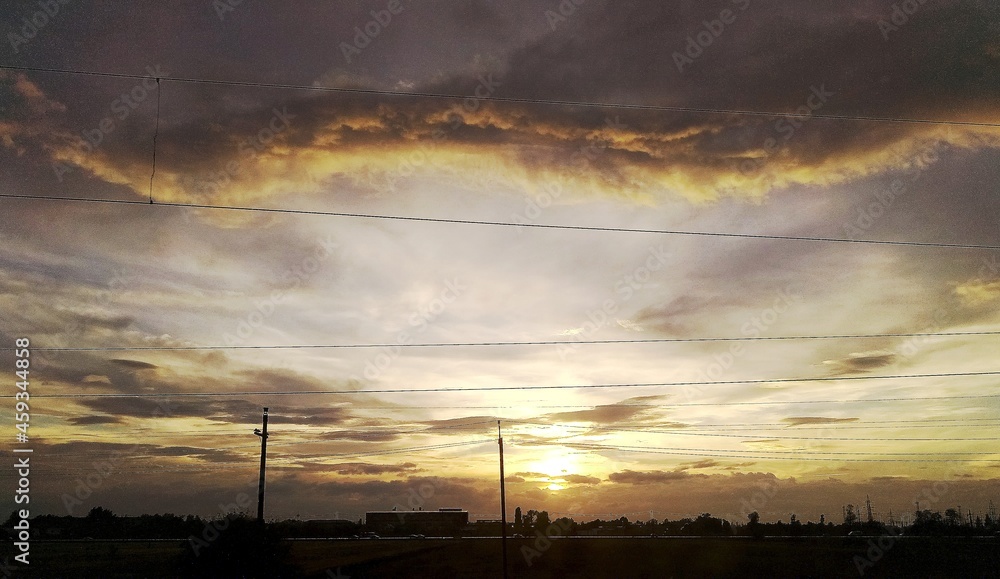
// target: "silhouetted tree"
[[518, 522], [850, 516]]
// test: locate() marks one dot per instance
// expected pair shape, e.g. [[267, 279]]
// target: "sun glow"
[[555, 464]]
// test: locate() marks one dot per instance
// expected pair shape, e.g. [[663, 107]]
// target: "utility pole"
[[503, 505], [262, 433]]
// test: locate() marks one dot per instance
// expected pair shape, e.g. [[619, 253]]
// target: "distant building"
[[443, 522]]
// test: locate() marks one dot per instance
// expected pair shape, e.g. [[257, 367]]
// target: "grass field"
[[563, 558]]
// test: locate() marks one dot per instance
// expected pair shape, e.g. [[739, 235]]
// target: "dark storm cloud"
[[945, 53], [214, 152]]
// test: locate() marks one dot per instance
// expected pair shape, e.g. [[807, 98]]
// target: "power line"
[[550, 387], [359, 434], [441, 220], [797, 452], [156, 133], [736, 426], [683, 432], [502, 343], [511, 100], [690, 452], [668, 451], [343, 455]]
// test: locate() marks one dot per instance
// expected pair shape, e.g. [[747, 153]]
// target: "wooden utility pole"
[[503, 505], [262, 433]]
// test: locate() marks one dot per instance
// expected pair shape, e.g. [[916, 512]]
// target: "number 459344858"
[[23, 363]]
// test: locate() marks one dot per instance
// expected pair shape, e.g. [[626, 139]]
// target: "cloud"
[[359, 435], [364, 468], [647, 477], [580, 479], [605, 414], [706, 463], [858, 362], [95, 379], [800, 420], [91, 420], [978, 292], [134, 364], [594, 154]]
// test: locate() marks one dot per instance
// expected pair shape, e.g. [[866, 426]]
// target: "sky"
[[595, 218]]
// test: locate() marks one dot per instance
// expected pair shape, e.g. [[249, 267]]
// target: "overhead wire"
[[503, 343], [245, 393], [684, 432], [531, 225]]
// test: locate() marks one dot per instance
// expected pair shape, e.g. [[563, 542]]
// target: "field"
[[562, 558]]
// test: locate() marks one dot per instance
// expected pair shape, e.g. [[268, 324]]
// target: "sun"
[[555, 465]]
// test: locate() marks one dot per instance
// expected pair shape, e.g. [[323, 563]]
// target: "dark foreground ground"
[[577, 557]]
